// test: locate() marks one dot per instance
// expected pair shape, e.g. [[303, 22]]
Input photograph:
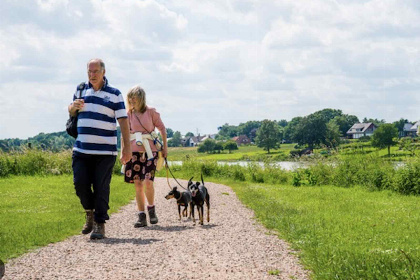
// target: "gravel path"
[[232, 246]]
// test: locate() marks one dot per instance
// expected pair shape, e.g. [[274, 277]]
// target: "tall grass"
[[35, 162], [370, 172]]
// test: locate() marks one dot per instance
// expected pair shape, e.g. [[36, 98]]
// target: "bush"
[[35, 162], [407, 180]]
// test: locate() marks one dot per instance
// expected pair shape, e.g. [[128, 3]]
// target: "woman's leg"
[[150, 192], [140, 194]]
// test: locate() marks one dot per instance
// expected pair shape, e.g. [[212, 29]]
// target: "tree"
[[374, 121], [268, 135], [384, 136], [249, 128], [290, 128], [328, 114], [228, 131], [400, 124], [169, 133], [282, 123], [231, 145], [207, 146], [408, 144], [345, 122], [218, 147], [311, 130], [175, 141], [189, 134], [332, 137]]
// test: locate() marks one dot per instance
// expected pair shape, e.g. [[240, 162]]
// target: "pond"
[[286, 165]]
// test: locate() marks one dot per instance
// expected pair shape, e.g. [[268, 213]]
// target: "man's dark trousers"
[[93, 171]]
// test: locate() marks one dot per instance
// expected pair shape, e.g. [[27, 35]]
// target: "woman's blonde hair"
[[138, 93]]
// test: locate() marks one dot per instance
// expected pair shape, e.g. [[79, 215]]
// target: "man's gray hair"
[[96, 60]]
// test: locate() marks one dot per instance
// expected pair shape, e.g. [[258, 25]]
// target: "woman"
[[142, 167]]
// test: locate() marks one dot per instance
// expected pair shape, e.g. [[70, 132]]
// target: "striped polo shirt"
[[96, 124]]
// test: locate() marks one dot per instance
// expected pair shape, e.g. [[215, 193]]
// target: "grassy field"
[[342, 221], [38, 210], [343, 233], [244, 153], [340, 233]]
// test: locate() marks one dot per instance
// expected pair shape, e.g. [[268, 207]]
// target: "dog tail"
[[202, 181]]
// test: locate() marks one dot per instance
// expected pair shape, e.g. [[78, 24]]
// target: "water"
[[286, 165]]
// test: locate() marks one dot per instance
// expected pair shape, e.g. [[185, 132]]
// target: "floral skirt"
[[139, 168]]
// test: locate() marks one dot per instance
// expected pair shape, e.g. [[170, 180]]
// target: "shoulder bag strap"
[[80, 88], [146, 129], [141, 123]]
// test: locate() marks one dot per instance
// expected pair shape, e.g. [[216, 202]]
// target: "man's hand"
[[125, 155], [125, 141], [76, 106]]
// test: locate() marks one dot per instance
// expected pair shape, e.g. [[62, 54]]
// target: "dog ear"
[[174, 188]]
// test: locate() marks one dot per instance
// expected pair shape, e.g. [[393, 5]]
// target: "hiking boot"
[[98, 231], [152, 215], [89, 222], [141, 222]]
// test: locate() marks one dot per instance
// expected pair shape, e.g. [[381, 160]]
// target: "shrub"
[[407, 179]]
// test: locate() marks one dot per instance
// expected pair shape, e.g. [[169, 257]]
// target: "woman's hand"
[[165, 152]]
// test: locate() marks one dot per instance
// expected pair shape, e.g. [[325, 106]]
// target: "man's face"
[[96, 74]]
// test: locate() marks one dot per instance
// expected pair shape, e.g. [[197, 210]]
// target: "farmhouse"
[[361, 129], [416, 128], [241, 140], [409, 130]]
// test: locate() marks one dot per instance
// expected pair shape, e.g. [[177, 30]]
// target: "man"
[[95, 149]]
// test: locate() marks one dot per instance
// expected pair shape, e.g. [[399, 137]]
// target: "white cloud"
[[206, 63]]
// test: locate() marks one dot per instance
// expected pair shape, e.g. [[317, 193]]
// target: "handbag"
[[71, 124]]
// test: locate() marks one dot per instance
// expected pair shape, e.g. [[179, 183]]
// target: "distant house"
[[241, 140], [361, 129], [192, 141], [416, 128], [408, 131]]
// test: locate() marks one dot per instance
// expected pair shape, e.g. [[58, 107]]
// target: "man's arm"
[[125, 141]]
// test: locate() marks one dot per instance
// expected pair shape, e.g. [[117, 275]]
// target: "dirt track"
[[232, 246]]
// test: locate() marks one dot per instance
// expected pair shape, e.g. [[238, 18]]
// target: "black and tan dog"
[[182, 199], [200, 195]]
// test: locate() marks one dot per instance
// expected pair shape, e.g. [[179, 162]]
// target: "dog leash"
[[167, 175]]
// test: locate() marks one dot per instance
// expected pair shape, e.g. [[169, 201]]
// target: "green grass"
[[343, 233], [38, 210], [340, 233], [243, 153]]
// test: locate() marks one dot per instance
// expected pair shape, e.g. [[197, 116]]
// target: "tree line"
[[322, 128]]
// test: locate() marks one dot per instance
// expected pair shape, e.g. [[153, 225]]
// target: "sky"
[[205, 63]]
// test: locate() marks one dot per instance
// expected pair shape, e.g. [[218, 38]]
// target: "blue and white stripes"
[[96, 125]]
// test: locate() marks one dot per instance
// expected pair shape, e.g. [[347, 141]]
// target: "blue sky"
[[207, 63]]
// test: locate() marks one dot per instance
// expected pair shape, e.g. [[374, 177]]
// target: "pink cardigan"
[[149, 119]]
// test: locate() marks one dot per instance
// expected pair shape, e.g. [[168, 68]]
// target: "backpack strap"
[[80, 88]]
